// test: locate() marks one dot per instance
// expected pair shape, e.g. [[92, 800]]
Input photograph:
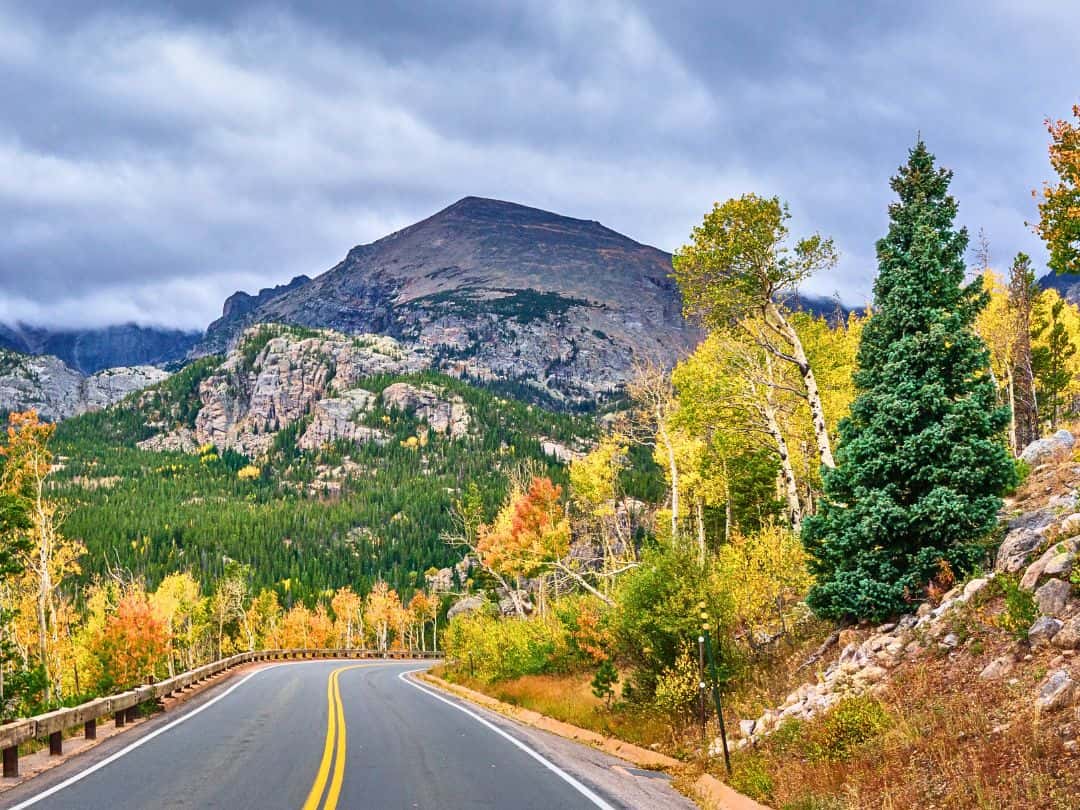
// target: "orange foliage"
[[530, 531], [27, 458], [590, 636], [132, 644]]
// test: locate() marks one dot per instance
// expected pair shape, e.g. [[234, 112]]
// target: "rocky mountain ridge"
[[57, 391]]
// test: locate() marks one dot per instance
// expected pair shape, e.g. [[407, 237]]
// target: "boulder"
[[508, 607], [997, 668], [440, 580], [746, 727], [1068, 637], [1057, 691], [1017, 548], [1057, 559], [1062, 562], [1041, 451], [871, 674], [1043, 631], [975, 586], [1070, 525], [1053, 596], [468, 604]]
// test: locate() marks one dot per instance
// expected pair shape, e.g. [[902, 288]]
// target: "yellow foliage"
[[765, 574]]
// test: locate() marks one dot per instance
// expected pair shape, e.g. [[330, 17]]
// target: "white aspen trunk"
[[813, 395], [700, 515], [1012, 411], [727, 500], [673, 471], [787, 473]]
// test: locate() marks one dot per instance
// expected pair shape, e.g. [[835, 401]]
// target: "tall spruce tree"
[[921, 458]]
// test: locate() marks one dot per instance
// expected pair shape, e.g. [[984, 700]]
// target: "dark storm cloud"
[[153, 158]]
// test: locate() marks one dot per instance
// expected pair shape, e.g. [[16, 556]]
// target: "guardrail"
[[123, 706]]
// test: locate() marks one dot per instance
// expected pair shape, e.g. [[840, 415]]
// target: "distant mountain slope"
[[494, 290], [1067, 284], [91, 350], [57, 391]]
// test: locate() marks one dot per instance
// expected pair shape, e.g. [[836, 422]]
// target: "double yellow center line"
[[334, 749]]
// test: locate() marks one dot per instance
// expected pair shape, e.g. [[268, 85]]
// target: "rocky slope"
[[91, 350], [1037, 555], [494, 290], [57, 391], [278, 376]]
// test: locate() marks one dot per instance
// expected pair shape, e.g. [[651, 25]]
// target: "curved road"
[[330, 735]]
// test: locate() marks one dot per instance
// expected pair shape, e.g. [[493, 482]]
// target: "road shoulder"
[[706, 790]]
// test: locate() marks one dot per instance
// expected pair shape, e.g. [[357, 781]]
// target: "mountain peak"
[[500, 291]]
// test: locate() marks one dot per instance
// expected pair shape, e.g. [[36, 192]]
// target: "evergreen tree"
[[1050, 359], [921, 457]]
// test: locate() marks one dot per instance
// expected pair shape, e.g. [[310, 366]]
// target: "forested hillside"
[[305, 522]]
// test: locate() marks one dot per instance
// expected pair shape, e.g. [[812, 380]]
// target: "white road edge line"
[[551, 766], [71, 780]]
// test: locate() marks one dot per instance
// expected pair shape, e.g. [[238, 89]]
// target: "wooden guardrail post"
[[90, 729], [11, 762], [56, 744]]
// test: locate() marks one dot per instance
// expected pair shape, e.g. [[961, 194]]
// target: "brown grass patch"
[[952, 740]]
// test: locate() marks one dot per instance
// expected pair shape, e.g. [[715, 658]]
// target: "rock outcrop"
[[444, 413], [57, 391], [279, 375], [335, 419]]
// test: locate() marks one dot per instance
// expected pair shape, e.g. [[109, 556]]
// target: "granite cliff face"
[[277, 376], [57, 391], [495, 291]]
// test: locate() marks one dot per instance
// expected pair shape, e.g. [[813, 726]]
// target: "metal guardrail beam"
[[124, 706]]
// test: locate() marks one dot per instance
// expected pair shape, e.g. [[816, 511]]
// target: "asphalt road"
[[329, 735]]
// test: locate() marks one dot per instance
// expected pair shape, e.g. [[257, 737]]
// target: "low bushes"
[[492, 649]]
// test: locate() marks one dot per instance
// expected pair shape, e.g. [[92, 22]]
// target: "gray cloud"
[[152, 160]]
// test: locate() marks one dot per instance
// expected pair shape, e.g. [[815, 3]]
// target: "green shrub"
[[603, 682], [1020, 608], [657, 614], [789, 735], [852, 722], [677, 688], [1023, 470], [751, 777], [497, 649]]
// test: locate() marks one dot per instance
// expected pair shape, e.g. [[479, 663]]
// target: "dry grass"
[[952, 741], [569, 698]]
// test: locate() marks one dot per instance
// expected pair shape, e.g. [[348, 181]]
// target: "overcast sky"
[[156, 157]]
